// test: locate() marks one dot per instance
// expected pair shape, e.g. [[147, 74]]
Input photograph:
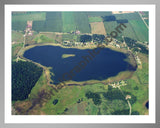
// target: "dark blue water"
[[147, 105], [97, 64]]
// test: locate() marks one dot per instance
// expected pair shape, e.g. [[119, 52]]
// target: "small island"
[[67, 55]]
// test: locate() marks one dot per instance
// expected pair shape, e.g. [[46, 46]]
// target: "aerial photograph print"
[[80, 63]]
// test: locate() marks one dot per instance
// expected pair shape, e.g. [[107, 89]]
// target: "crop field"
[[128, 16], [39, 16], [128, 31], [140, 29], [100, 13], [97, 28], [19, 20], [110, 26], [17, 37], [94, 19], [52, 23], [82, 22], [19, 25], [68, 21], [135, 29]]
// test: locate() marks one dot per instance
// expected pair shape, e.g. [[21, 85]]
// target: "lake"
[[79, 65]]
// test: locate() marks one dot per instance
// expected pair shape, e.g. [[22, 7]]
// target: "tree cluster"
[[135, 46], [95, 97], [122, 21], [24, 77], [109, 18], [85, 38], [98, 38]]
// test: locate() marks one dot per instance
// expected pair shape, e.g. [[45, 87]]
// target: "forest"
[[24, 77]]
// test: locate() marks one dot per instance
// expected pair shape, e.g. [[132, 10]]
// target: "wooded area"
[[24, 77]]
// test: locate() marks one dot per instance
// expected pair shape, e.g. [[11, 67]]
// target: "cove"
[[105, 64]]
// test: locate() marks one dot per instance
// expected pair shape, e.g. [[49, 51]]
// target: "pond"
[[79, 65]]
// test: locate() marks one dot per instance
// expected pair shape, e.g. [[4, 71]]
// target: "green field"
[[110, 26], [17, 37], [138, 85], [52, 23], [140, 29], [68, 22], [38, 86], [136, 29], [19, 20], [19, 25], [15, 50], [94, 19], [128, 16], [99, 13], [82, 23], [70, 37], [147, 21], [68, 97], [29, 16], [43, 39]]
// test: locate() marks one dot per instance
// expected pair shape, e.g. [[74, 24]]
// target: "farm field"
[[19, 25], [94, 19], [17, 37], [19, 20], [128, 16], [52, 23], [100, 13], [110, 26], [135, 29], [82, 25], [68, 22], [98, 28], [39, 16], [140, 29]]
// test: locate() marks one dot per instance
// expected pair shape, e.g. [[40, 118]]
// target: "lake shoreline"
[[120, 76]]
